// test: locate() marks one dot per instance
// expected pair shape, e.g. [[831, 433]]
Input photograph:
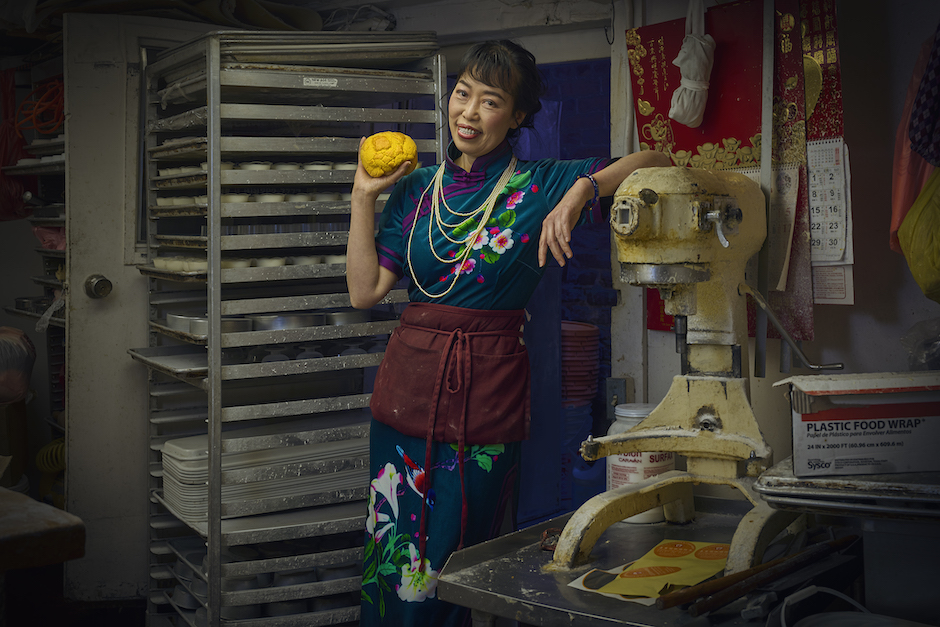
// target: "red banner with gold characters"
[[729, 135], [791, 290], [822, 68]]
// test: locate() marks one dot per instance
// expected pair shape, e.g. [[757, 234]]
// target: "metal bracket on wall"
[[616, 390]]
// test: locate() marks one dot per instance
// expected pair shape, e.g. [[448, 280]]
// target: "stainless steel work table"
[[504, 577]]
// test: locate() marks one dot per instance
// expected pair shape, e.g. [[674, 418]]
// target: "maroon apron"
[[452, 374]]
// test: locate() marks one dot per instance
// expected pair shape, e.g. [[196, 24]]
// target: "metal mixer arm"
[[744, 288]]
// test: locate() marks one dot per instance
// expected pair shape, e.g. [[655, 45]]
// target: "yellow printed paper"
[[670, 565], [595, 579]]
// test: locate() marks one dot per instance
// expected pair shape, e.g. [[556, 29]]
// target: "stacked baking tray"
[[324, 470], [905, 496]]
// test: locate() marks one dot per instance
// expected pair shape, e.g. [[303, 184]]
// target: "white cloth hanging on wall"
[[694, 61]]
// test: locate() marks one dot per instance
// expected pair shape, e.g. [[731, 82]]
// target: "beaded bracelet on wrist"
[[597, 191]]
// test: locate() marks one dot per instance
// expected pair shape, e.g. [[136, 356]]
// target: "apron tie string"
[[453, 375]]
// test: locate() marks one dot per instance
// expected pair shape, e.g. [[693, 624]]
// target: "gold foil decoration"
[[659, 132], [728, 155], [812, 83], [708, 150], [633, 37], [681, 157], [637, 52], [749, 156], [633, 56], [794, 149], [789, 133], [783, 112], [644, 106], [787, 22]]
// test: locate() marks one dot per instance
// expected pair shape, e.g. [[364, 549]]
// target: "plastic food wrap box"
[[859, 424]]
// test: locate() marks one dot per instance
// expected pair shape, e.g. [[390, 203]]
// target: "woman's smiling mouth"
[[467, 132]]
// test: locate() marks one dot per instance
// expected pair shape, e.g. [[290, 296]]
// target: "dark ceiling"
[[31, 32]]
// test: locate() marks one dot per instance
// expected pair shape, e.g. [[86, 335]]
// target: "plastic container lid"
[[634, 410]]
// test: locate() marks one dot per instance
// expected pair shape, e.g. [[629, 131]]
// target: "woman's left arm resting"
[[557, 226]]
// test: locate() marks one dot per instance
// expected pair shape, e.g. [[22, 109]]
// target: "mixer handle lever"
[[744, 288], [729, 216], [715, 217], [721, 213]]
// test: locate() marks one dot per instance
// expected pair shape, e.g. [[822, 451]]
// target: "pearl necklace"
[[437, 197]]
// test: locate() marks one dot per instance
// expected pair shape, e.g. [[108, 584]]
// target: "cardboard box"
[[861, 424]]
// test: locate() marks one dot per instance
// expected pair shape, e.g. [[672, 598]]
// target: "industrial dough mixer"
[[689, 233]]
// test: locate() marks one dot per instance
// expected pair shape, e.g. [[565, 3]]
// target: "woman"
[[450, 405]]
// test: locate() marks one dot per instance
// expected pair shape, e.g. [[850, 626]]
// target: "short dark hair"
[[512, 68]]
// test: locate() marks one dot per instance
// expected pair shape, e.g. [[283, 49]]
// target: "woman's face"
[[480, 116]]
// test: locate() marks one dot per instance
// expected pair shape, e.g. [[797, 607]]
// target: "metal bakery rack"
[[259, 369]]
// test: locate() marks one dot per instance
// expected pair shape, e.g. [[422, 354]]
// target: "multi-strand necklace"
[[437, 198]]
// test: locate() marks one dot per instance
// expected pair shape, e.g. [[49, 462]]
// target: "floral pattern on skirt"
[[395, 590]]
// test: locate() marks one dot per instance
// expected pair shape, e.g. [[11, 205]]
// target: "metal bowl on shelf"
[[183, 598], [351, 316], [275, 322], [200, 326], [180, 321], [41, 303]]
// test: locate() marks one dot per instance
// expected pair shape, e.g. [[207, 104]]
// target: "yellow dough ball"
[[382, 153]]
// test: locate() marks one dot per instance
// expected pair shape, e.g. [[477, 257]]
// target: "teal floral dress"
[[395, 591], [500, 272]]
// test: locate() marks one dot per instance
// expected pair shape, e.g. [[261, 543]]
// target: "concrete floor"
[[34, 599]]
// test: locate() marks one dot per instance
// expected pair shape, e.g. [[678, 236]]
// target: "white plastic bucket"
[[630, 468]]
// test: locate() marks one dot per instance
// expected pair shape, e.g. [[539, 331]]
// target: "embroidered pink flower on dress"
[[524, 238], [534, 189], [466, 267], [515, 199], [482, 240], [416, 586], [502, 242], [384, 485]]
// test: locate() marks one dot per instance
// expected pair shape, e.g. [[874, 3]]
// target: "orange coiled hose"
[[43, 110]]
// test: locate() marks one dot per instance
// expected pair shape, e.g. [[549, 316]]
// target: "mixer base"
[[672, 490]]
